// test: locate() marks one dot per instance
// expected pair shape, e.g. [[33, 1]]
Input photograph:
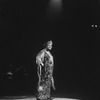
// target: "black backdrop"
[[25, 27]]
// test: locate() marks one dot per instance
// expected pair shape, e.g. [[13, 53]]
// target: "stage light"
[[54, 8]]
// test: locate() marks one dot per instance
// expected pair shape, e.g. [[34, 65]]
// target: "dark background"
[[25, 27]]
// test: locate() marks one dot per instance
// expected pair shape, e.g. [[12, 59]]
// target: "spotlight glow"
[[54, 8], [64, 99], [55, 4]]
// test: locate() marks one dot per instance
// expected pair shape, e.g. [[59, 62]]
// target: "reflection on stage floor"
[[32, 98]]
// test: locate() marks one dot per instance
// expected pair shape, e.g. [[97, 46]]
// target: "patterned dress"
[[43, 87]]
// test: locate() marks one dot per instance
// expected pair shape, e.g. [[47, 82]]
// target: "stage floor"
[[33, 98]]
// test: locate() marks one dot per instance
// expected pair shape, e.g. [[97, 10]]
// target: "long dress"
[[44, 85]]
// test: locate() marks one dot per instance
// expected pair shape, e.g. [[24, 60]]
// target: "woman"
[[45, 68]]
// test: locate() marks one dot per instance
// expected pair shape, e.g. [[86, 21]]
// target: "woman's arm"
[[53, 83]]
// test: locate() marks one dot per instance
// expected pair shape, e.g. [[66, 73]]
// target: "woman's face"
[[49, 45]]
